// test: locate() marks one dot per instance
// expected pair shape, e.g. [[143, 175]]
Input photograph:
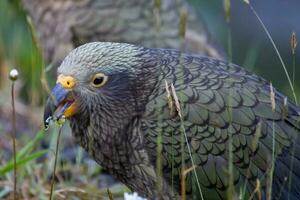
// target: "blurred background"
[[20, 49], [251, 47]]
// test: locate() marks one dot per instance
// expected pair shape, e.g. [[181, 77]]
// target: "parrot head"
[[103, 79]]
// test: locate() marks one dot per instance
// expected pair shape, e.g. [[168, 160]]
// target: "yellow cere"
[[68, 82]]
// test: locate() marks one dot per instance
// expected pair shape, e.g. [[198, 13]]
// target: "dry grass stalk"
[[170, 99], [277, 52], [291, 84], [67, 193], [257, 135], [272, 97], [177, 104], [256, 191], [285, 108], [173, 101], [294, 42], [184, 136], [184, 172], [270, 171]]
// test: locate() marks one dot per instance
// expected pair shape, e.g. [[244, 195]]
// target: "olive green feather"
[[232, 134]]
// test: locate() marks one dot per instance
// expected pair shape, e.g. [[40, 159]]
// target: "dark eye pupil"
[[98, 80]]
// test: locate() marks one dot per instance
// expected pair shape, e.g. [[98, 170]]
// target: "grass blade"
[[277, 52], [20, 162]]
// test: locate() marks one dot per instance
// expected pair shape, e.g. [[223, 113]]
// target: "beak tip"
[[48, 111], [53, 109], [47, 122]]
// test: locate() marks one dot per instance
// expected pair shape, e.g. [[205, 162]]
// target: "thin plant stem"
[[294, 43], [269, 189], [294, 68], [190, 154], [14, 138], [55, 162], [156, 11], [184, 174], [291, 83], [229, 43], [254, 145], [159, 161], [296, 139], [172, 161], [184, 139], [277, 52], [231, 192], [159, 183], [110, 196]]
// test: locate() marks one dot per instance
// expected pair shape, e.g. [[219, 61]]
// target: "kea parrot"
[[148, 116], [65, 24]]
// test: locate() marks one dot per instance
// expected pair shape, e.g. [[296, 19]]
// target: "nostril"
[[66, 81]]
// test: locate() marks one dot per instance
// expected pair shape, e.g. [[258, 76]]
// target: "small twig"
[[13, 76], [55, 161]]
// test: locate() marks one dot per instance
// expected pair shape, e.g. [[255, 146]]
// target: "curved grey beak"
[[56, 104]]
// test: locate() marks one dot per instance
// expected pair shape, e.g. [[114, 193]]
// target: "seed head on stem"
[[13, 76]]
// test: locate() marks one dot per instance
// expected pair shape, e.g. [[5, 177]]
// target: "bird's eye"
[[99, 80]]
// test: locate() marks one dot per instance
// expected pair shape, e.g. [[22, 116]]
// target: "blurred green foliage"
[[25, 155], [251, 47], [19, 51]]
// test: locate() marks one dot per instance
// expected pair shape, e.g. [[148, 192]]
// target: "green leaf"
[[9, 166], [39, 136], [21, 155]]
